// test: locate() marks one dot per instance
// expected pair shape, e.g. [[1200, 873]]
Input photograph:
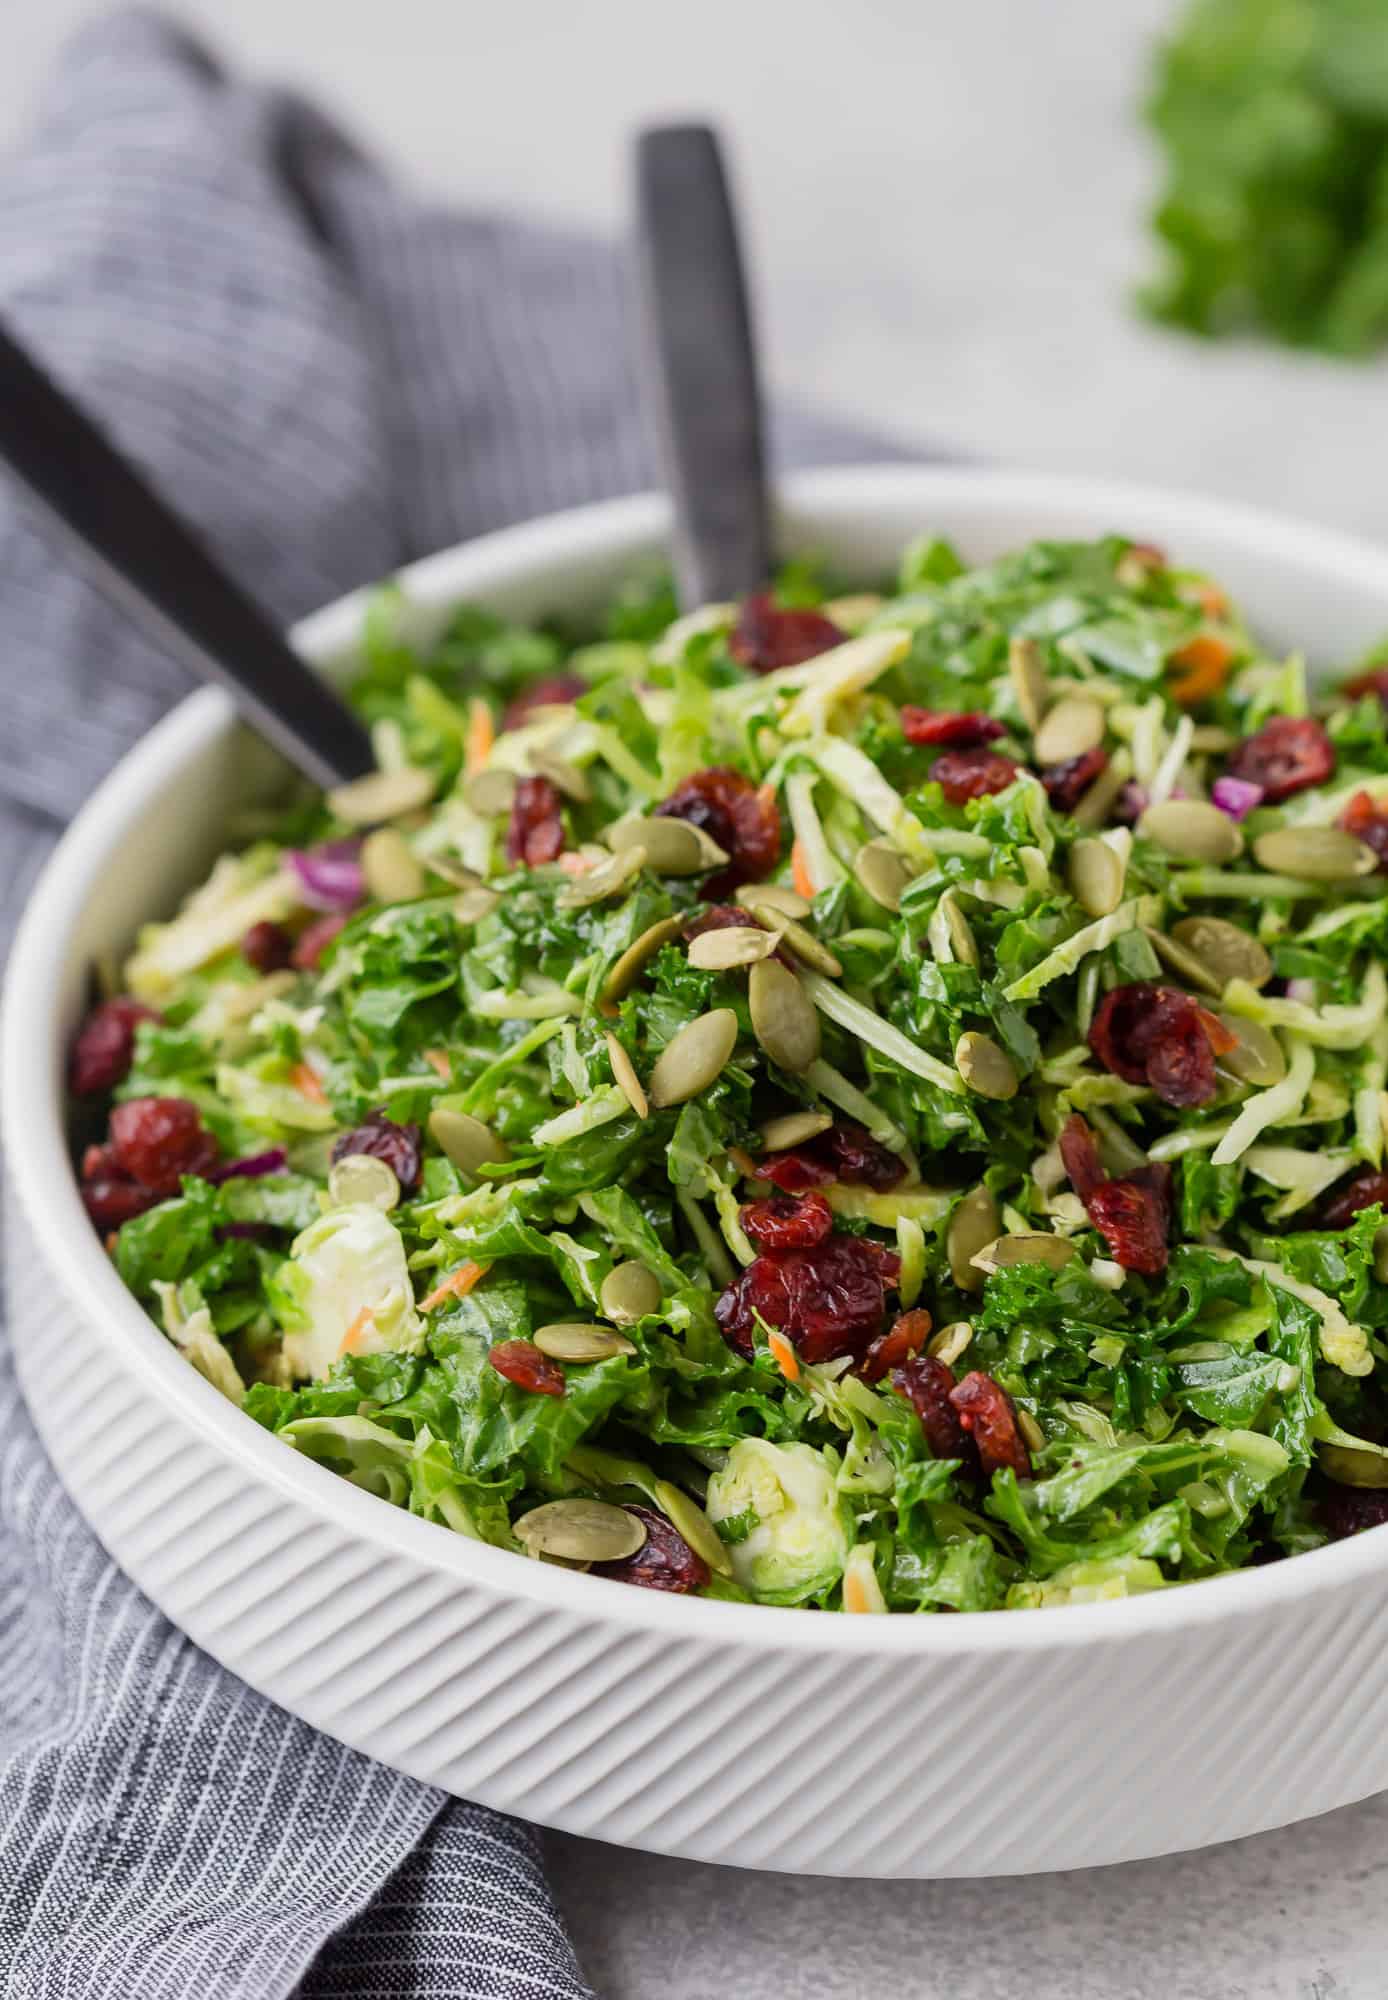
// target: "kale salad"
[[873, 1102]]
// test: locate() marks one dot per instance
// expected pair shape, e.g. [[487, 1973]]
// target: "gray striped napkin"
[[330, 376]]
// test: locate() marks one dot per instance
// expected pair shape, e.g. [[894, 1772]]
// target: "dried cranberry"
[[784, 1224], [1367, 821], [961, 732], [844, 1153], [1348, 1510], [383, 1139], [1080, 1152], [1286, 755], [521, 1362], [105, 1046], [1344, 1202], [742, 817], [545, 693], [664, 1560], [1159, 1036], [766, 636], [1374, 681], [311, 944], [112, 1203], [1067, 783], [1131, 1213], [928, 1385], [536, 832], [156, 1140], [268, 947], [800, 1168], [972, 774], [985, 1410], [896, 1346], [828, 1300]]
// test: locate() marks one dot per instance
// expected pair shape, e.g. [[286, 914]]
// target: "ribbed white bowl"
[[970, 1745]]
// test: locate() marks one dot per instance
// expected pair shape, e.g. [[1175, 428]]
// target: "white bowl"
[[967, 1745]]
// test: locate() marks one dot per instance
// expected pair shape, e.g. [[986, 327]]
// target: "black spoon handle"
[[147, 557], [700, 364]]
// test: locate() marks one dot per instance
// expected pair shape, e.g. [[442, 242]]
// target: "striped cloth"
[[330, 377]]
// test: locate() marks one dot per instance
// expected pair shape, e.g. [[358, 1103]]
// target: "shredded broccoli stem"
[[1270, 1107]]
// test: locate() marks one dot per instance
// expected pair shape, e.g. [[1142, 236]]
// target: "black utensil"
[[700, 364], [147, 557]]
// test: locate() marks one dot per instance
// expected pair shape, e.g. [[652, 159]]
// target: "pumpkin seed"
[[884, 872], [381, 795], [1032, 1434], [490, 793], [452, 871], [784, 1019], [950, 1342], [360, 1177], [1348, 1467], [786, 902], [850, 614], [973, 1225], [1315, 853], [985, 1067], [1028, 680], [698, 1054], [1027, 1247], [608, 878], [564, 776], [581, 1531], [579, 1340], [1096, 875], [1381, 1255], [1073, 726], [803, 944], [625, 1077], [961, 938], [628, 967], [1208, 739], [672, 846], [465, 1140], [778, 1135], [721, 951], [1100, 797], [474, 904], [1229, 950], [1258, 1057], [1191, 830], [629, 1292], [392, 873], [688, 1518], [1183, 962]]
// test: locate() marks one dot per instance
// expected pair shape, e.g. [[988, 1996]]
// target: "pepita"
[[1100, 797], [1067, 730], [1258, 1058], [625, 1077], [883, 871], [1033, 1435], [628, 968], [1381, 1255], [950, 1342], [1207, 739], [1186, 964], [581, 1531], [578, 1340], [688, 1519], [698, 1053], [1096, 875], [465, 1140], [1315, 853], [608, 878], [1191, 830], [361, 1178], [392, 873], [784, 1019], [1348, 1467], [794, 1128], [850, 614], [490, 793], [985, 1067], [564, 776], [630, 1291], [1228, 950], [801, 943], [973, 1225], [786, 902], [962, 941], [1026, 1247], [382, 795], [449, 869], [672, 846], [1028, 680], [721, 951], [473, 904]]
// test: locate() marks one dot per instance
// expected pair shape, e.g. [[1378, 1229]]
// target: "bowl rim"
[[31, 1096]]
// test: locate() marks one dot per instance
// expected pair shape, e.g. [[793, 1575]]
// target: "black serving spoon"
[[700, 365], [146, 557]]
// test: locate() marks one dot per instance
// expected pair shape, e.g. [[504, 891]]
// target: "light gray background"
[[945, 198]]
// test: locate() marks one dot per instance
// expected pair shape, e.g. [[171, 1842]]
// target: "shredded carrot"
[[481, 734], [574, 863], [438, 1061], [356, 1330], [800, 871], [305, 1081], [784, 1355], [1203, 663], [456, 1285], [854, 1592], [1211, 600]]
